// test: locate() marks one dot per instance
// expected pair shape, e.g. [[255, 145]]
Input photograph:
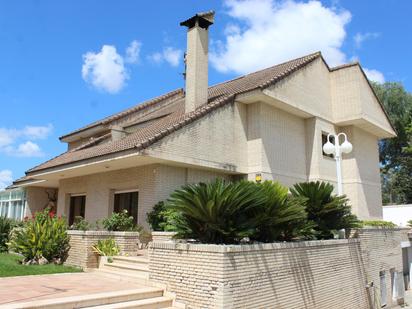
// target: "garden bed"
[[10, 266], [81, 253]]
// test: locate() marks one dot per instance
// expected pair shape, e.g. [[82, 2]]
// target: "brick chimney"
[[196, 59]]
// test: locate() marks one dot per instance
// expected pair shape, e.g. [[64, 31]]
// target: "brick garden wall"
[[381, 252], [314, 274], [81, 253]]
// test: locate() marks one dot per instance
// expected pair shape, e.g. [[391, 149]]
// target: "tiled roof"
[[167, 114]]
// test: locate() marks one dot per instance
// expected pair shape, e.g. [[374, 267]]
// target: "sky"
[[64, 64]]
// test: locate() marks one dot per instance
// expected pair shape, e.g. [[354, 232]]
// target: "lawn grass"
[[10, 266]]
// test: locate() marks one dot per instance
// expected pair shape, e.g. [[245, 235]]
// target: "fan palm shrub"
[[217, 212], [326, 211], [281, 217]]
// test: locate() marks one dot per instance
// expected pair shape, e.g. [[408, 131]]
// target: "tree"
[[396, 153]]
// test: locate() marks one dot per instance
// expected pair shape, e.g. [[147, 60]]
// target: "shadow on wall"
[[302, 275], [299, 270]]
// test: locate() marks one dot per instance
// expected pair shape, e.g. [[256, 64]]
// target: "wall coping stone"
[[160, 233], [249, 248], [102, 233], [374, 229]]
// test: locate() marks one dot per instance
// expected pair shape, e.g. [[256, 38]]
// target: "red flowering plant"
[[42, 239]]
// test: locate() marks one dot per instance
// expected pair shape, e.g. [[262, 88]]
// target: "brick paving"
[[40, 287]]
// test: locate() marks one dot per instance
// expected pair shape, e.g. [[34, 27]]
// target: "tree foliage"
[[396, 153]]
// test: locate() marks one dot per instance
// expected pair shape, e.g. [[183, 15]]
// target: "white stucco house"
[[271, 123]]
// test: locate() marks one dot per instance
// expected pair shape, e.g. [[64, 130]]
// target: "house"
[[269, 124]]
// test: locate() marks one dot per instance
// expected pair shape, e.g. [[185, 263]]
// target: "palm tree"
[[326, 211], [216, 212]]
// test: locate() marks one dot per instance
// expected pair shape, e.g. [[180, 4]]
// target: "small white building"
[[398, 214]]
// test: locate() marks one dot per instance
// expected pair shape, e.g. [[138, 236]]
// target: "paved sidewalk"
[[40, 287]]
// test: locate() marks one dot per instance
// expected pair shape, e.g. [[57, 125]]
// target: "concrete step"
[[119, 272], [161, 302], [92, 300], [128, 266], [131, 259]]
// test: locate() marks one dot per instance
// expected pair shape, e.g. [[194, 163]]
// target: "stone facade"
[[314, 274], [81, 253]]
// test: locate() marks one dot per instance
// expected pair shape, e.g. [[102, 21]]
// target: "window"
[[324, 141], [12, 203], [126, 201], [77, 207]]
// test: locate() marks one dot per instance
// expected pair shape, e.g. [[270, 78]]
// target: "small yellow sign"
[[258, 178]]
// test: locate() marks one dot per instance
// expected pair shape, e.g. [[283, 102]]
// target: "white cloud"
[[359, 38], [27, 149], [266, 32], [7, 136], [133, 52], [6, 177], [374, 75], [105, 70], [169, 54], [37, 132], [10, 137]]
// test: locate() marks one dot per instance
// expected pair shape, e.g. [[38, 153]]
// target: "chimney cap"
[[203, 19]]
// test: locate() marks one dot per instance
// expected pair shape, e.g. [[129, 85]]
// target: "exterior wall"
[[346, 94], [398, 214], [307, 90], [37, 199], [276, 144], [332, 274], [361, 174], [315, 274], [319, 167], [218, 141], [81, 253], [99, 190], [154, 182]]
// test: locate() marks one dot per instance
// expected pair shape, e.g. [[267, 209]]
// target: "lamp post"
[[337, 149]]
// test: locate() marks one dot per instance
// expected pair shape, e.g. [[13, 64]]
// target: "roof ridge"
[[316, 54], [345, 65]]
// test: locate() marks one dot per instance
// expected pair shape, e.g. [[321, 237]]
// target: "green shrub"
[[80, 224], [327, 213], [6, 225], [409, 223], [43, 237], [106, 247], [120, 222], [157, 218], [216, 212], [378, 223], [281, 217]]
